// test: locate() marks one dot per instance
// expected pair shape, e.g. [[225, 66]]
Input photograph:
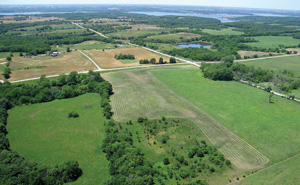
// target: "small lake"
[[193, 46], [221, 17]]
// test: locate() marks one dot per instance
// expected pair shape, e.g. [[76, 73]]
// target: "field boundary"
[[99, 68], [259, 171]]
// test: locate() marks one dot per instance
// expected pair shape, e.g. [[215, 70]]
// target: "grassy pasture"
[[87, 45], [106, 59], [251, 53], [227, 31], [278, 64], [44, 133], [3, 55], [174, 36], [274, 41], [138, 93], [139, 30], [64, 63], [271, 128], [286, 172], [10, 19], [56, 29]]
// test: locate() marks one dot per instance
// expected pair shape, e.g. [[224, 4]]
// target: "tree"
[[269, 89], [228, 163], [228, 60], [8, 58], [172, 60], [161, 60], [166, 161], [270, 97], [6, 73], [152, 61]]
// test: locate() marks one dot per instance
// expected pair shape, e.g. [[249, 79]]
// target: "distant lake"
[[221, 17], [193, 46]]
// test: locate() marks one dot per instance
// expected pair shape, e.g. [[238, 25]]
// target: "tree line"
[[34, 45], [122, 56], [160, 61], [284, 81]]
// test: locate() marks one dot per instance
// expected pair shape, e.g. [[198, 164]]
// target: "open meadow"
[[286, 172], [44, 133], [272, 128], [10, 19], [174, 36], [23, 67], [139, 30], [87, 45], [277, 65], [274, 41], [251, 53], [138, 93], [227, 31]]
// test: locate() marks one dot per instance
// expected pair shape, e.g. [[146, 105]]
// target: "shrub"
[[166, 161], [73, 114]]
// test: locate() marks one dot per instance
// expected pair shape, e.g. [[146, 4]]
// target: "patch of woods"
[[128, 164], [160, 61], [34, 45], [40, 43], [122, 56], [108, 28], [15, 169], [267, 25], [285, 81]]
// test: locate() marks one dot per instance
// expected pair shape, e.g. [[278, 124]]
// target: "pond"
[[193, 46]]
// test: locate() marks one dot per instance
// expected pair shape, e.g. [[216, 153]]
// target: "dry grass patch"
[[10, 19], [294, 49], [51, 65], [174, 36], [145, 27], [251, 53], [106, 59]]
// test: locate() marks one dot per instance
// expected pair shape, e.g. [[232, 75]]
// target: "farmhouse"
[[54, 53]]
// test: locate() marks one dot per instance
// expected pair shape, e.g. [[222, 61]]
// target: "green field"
[[4, 54], [227, 31], [274, 41], [137, 33], [286, 172], [278, 64], [175, 36], [44, 133], [56, 29], [271, 128], [87, 45], [137, 93]]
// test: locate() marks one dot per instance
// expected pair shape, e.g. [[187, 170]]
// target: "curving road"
[[98, 68]]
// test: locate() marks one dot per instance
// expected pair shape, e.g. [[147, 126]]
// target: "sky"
[[266, 4]]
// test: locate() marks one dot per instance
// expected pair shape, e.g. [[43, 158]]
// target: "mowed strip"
[[106, 58], [64, 63], [138, 93]]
